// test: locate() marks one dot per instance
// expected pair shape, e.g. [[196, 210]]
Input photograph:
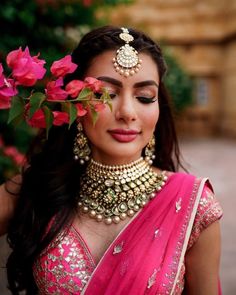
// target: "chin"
[[122, 156]]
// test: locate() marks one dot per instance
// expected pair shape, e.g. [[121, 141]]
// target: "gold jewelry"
[[126, 62], [150, 150], [81, 147], [111, 193]]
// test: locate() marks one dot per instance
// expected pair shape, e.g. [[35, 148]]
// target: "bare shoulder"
[[8, 198]]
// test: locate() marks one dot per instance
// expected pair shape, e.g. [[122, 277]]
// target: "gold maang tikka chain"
[[112, 193], [127, 61]]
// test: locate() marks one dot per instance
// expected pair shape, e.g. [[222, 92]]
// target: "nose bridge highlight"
[[126, 107]]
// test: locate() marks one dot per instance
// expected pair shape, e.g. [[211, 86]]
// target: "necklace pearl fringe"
[[113, 193]]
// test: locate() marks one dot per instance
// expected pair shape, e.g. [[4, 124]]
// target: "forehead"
[[102, 65]]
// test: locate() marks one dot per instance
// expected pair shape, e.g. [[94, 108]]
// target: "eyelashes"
[[142, 99], [146, 100]]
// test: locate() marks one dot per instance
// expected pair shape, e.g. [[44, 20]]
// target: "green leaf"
[[36, 101], [107, 99], [49, 118], [94, 115], [17, 108], [17, 120], [71, 110], [84, 94], [110, 105]]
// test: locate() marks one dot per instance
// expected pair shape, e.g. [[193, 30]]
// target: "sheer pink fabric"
[[147, 257]]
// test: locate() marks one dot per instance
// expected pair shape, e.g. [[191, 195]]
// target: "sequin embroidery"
[[64, 267], [66, 264]]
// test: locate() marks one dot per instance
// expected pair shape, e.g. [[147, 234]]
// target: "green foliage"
[[42, 25], [178, 83]]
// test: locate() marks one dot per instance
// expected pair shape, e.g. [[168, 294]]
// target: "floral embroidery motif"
[[152, 279], [209, 210], [64, 267], [118, 248], [178, 205], [156, 232]]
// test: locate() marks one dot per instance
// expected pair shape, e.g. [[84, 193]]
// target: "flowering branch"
[[12, 152], [58, 104]]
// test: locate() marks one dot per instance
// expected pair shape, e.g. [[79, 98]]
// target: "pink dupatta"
[[146, 257]]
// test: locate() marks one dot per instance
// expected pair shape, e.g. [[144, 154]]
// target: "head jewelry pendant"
[[126, 62]]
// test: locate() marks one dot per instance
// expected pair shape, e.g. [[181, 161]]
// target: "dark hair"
[[49, 191]]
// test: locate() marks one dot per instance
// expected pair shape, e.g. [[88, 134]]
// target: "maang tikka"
[[81, 146], [149, 150], [127, 61]]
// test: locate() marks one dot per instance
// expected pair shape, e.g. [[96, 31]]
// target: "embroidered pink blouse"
[[67, 264]]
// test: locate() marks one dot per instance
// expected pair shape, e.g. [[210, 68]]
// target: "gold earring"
[[81, 146], [150, 150]]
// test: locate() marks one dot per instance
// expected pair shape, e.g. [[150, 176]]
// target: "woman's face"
[[120, 135]]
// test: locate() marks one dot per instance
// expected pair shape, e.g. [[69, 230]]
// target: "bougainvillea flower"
[[60, 118], [12, 152], [99, 107], [81, 111], [74, 87], [7, 91], [2, 77], [5, 102], [13, 57], [54, 91], [63, 66], [94, 84], [25, 68], [38, 119]]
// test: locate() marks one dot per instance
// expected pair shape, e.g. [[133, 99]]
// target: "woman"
[[119, 224]]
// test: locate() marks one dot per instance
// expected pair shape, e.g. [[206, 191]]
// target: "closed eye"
[[146, 100], [112, 95]]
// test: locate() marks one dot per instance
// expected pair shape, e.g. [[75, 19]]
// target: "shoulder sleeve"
[[209, 211]]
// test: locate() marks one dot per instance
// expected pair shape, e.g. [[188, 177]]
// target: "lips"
[[124, 135]]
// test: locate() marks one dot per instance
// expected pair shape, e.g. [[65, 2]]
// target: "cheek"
[[101, 123], [150, 117]]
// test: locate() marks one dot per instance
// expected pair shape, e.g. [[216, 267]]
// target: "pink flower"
[[99, 107], [38, 119], [60, 118], [81, 111], [19, 159], [54, 90], [74, 87], [13, 57], [25, 68], [2, 77], [94, 84], [7, 91], [12, 152], [63, 66], [5, 102]]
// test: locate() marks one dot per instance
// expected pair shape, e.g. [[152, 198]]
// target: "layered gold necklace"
[[111, 193]]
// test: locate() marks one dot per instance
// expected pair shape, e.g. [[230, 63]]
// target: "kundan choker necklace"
[[111, 193]]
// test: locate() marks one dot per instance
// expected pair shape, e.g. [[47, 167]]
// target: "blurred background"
[[198, 38]]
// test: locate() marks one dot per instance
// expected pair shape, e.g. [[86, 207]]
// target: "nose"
[[125, 109]]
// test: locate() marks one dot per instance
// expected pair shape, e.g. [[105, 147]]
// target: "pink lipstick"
[[124, 135]]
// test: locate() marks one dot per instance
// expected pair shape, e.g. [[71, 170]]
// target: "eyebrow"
[[119, 83]]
